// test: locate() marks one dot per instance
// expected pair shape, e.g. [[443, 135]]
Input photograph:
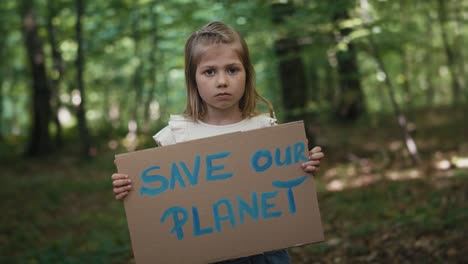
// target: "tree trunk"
[[330, 84], [2, 75], [350, 98], [291, 72], [152, 70], [58, 67], [430, 71], [39, 142], [404, 56], [164, 91], [80, 64], [291, 68], [314, 83], [451, 63], [1, 109], [458, 43], [137, 83], [292, 77]]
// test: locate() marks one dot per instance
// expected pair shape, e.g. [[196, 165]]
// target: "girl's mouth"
[[223, 95]]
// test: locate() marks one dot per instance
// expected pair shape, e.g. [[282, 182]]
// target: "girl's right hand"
[[122, 185]]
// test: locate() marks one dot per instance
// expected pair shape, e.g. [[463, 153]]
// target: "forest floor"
[[376, 207]]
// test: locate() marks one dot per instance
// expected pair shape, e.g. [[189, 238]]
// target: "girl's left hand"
[[313, 165]]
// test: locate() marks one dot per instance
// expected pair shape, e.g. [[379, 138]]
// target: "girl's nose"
[[222, 80]]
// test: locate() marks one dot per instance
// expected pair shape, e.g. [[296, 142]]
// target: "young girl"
[[221, 99]]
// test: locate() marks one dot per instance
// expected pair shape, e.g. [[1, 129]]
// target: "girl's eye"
[[233, 70], [209, 72]]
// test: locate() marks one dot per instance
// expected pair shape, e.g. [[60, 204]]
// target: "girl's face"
[[220, 78]]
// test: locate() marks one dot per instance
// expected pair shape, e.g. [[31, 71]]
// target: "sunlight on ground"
[[442, 165], [460, 162], [361, 172], [399, 175]]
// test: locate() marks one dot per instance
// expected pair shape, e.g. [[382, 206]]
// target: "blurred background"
[[381, 85]]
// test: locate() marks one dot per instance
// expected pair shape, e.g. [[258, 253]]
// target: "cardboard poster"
[[221, 197]]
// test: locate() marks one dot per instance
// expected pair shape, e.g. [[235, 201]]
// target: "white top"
[[181, 128]]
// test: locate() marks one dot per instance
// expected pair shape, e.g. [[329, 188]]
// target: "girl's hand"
[[122, 185], [313, 165]]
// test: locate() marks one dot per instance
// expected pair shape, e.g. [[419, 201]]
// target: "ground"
[[376, 206]]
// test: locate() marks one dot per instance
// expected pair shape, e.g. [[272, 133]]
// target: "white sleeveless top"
[[181, 128]]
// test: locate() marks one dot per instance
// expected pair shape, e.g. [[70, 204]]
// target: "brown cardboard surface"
[[275, 213]]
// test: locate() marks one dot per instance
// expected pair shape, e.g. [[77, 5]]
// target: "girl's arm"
[[313, 165], [122, 185]]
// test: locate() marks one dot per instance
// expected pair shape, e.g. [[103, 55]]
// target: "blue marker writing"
[[263, 159], [153, 178], [197, 230], [211, 168], [265, 196], [192, 176], [180, 217], [259, 155], [219, 218], [244, 207], [289, 185]]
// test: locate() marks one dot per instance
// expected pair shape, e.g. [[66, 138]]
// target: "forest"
[[381, 86]]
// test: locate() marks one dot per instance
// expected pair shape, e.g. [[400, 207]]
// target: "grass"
[[62, 210]]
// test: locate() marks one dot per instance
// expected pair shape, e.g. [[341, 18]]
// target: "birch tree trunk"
[[401, 118]]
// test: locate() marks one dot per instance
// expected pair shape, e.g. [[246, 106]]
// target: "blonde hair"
[[216, 33]]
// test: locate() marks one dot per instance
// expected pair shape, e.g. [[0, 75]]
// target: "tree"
[[80, 64], [1, 108], [58, 68], [152, 63], [350, 97], [449, 52], [405, 9], [430, 70], [401, 118], [291, 71], [137, 78], [2, 55], [39, 141], [291, 68], [458, 41]]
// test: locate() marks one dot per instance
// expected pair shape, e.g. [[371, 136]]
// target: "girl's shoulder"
[[176, 126], [263, 120]]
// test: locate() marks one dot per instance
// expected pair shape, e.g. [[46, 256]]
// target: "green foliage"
[[134, 52]]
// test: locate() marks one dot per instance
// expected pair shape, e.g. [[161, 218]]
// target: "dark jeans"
[[272, 257]]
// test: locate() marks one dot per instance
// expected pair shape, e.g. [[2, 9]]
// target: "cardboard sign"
[[221, 197]]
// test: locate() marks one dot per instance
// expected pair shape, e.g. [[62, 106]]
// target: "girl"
[[221, 99]]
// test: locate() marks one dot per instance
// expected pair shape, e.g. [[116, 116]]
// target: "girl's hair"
[[216, 33]]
